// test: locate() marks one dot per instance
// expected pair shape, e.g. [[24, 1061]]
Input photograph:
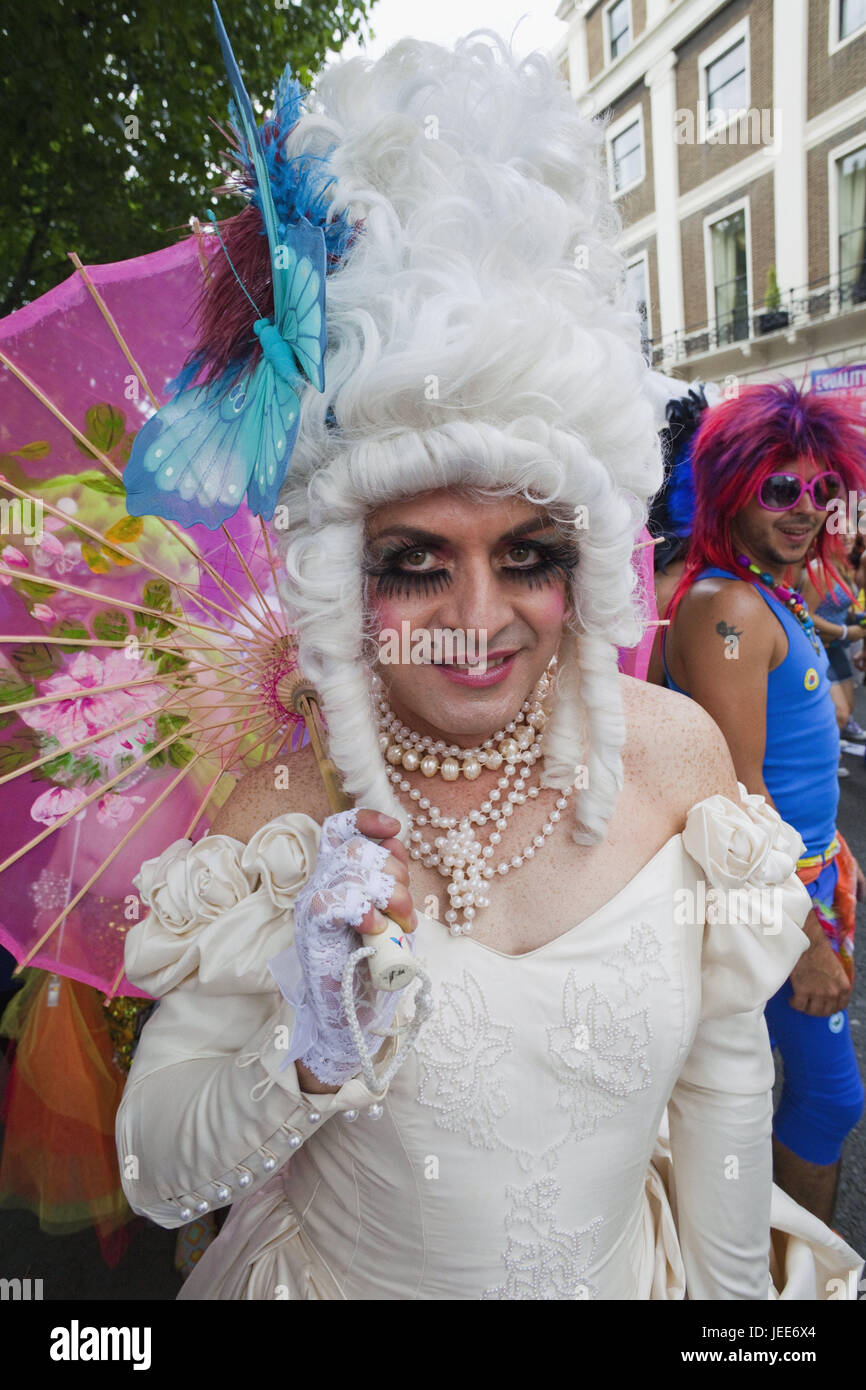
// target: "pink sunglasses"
[[782, 491]]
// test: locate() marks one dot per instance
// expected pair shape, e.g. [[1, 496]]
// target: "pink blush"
[[550, 605], [388, 614]]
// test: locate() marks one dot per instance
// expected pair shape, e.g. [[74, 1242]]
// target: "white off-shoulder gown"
[[590, 1120]]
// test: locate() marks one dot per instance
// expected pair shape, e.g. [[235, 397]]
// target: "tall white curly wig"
[[478, 335]]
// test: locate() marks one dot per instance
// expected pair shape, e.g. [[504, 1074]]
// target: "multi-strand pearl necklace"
[[458, 853], [403, 748]]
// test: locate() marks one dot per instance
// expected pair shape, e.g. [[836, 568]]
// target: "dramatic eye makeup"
[[412, 563], [404, 571], [542, 561]]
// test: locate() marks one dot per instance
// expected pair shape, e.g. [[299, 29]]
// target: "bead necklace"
[[403, 748], [458, 853], [790, 597]]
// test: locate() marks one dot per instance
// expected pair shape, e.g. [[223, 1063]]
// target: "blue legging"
[[822, 1095]]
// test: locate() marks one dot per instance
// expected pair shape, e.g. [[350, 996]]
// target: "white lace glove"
[[340, 1019]]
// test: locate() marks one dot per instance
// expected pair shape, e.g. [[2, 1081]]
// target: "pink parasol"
[[138, 660], [634, 661]]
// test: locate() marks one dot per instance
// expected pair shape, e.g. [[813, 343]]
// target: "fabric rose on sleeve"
[[753, 938], [191, 884], [284, 853], [736, 844]]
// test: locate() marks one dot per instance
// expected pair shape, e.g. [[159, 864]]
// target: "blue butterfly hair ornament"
[[212, 446]]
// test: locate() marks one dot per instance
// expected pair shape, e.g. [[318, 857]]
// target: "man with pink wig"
[[767, 466]]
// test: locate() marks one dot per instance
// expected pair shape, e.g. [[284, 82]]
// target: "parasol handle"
[[393, 965]]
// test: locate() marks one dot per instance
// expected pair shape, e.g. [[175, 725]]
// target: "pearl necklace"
[[404, 748], [458, 853]]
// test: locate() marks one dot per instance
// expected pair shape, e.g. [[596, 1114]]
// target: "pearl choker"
[[404, 748], [457, 852]]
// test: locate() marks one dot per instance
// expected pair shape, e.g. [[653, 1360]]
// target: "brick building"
[[736, 144]]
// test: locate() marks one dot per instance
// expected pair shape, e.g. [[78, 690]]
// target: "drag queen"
[[573, 1098]]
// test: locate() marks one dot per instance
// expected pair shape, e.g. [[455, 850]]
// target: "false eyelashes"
[[556, 562]]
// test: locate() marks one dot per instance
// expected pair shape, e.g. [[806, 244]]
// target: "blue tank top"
[[801, 755]]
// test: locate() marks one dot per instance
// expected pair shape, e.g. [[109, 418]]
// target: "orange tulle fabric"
[[59, 1158]]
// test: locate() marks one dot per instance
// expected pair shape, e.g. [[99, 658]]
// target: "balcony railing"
[[732, 325], [814, 303]]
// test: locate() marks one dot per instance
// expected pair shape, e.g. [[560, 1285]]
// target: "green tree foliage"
[[105, 108]]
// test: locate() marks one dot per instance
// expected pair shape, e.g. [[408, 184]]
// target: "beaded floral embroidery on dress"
[[543, 1261], [599, 1048], [459, 1050], [638, 960], [599, 1056]]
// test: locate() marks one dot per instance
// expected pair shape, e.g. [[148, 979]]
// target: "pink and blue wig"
[[767, 428]]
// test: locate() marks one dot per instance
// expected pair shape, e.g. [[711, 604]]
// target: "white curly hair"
[[479, 335]]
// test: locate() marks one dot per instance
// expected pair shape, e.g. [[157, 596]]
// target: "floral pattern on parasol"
[[139, 661]]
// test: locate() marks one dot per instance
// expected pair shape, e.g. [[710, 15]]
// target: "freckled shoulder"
[[288, 782], [674, 750]]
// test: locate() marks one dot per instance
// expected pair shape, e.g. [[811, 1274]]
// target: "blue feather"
[[297, 185], [681, 494], [197, 458]]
